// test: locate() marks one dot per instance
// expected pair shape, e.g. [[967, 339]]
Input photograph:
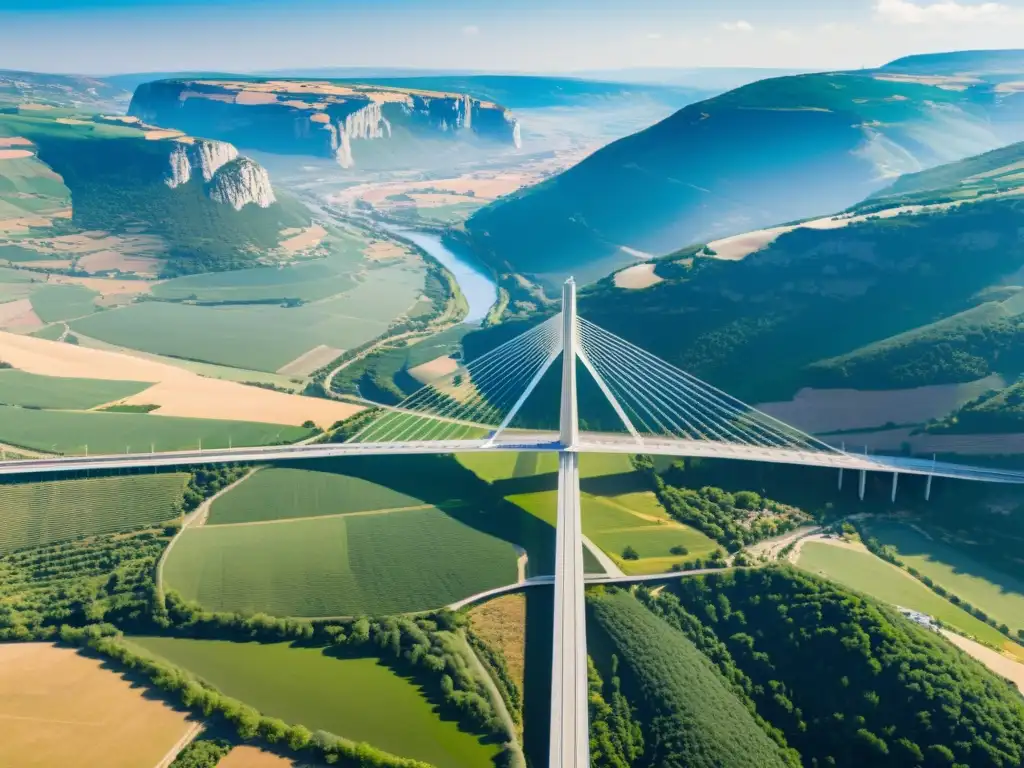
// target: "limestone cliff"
[[200, 155], [318, 117], [241, 182]]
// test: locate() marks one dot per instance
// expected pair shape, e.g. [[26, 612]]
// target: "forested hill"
[[883, 303], [773, 151], [829, 676]]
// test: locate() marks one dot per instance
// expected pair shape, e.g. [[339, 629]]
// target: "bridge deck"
[[589, 442]]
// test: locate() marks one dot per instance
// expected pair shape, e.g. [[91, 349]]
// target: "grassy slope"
[[27, 389], [40, 513], [339, 566], [862, 571], [359, 699], [677, 691], [998, 594], [70, 431]]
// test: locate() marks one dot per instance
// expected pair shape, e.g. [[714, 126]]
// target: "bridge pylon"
[[569, 745]]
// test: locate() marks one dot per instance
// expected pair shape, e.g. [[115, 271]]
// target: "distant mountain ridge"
[[775, 150]]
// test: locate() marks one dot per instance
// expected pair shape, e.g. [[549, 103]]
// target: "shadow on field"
[[915, 541], [458, 492], [540, 608], [428, 688]]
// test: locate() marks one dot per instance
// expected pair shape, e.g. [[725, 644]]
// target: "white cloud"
[[738, 26], [471, 29], [785, 36], [944, 12], [654, 35]]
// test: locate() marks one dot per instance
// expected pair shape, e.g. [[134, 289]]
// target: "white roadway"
[[537, 441]]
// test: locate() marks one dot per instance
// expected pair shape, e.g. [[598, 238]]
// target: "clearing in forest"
[[357, 698], [59, 708]]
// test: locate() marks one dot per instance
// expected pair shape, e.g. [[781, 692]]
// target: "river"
[[477, 286]]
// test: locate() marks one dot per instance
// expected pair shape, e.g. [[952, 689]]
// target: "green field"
[[360, 699], [278, 493], [39, 513], [862, 571], [999, 595], [339, 566], [27, 187], [262, 337], [27, 389], [20, 253], [306, 281], [610, 525], [49, 332], [71, 432], [62, 302], [615, 508]]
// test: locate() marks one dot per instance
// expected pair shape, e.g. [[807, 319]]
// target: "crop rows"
[[36, 514]]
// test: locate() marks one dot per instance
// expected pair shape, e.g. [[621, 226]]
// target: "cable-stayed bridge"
[[657, 408]]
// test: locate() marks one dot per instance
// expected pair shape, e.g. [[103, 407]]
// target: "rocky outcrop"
[[202, 157], [242, 182], [318, 117]]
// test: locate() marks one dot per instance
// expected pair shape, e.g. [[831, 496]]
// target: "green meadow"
[[262, 337], [998, 594], [279, 493], [30, 390], [356, 698], [860, 570], [393, 562]]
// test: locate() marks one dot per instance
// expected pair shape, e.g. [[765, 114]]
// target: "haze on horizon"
[[113, 36]]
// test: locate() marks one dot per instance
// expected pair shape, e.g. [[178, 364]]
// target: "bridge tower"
[[569, 738]]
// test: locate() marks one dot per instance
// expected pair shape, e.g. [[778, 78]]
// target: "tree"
[[630, 554], [679, 549]]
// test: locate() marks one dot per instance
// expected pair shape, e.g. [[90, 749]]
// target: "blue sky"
[[107, 36]]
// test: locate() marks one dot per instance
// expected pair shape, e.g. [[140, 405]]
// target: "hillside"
[[209, 208], [912, 283], [689, 714], [775, 150], [845, 682], [994, 171]]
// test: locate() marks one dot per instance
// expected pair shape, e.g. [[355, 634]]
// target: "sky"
[[116, 36]]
